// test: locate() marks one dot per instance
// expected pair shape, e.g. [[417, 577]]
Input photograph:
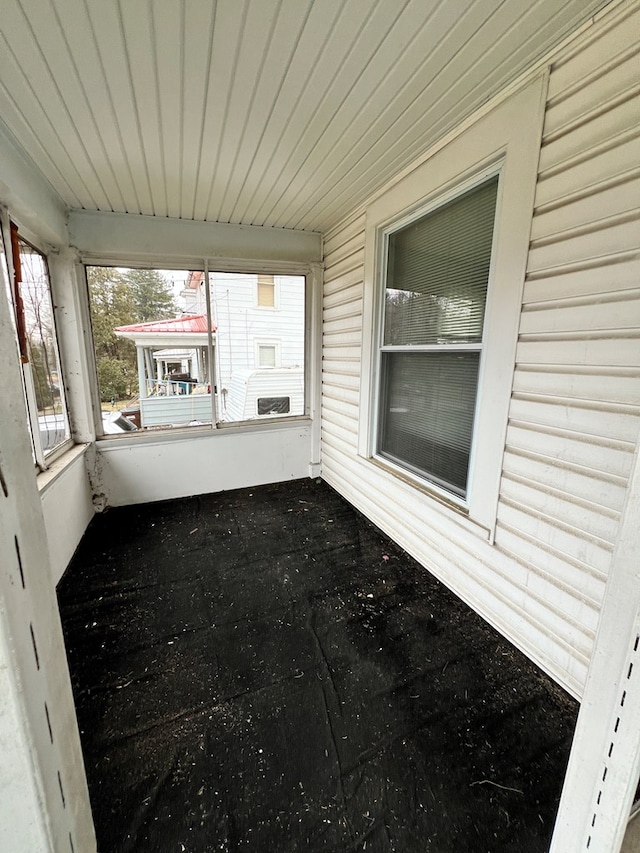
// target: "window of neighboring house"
[[435, 293], [28, 277], [266, 291], [267, 354], [169, 361]]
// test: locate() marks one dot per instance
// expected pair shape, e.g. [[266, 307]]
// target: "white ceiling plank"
[[111, 53], [15, 125], [285, 113], [74, 22], [341, 69], [284, 45], [25, 70], [260, 23], [139, 45], [440, 110], [198, 46], [167, 28], [229, 26], [321, 74], [383, 93], [31, 122], [68, 55]]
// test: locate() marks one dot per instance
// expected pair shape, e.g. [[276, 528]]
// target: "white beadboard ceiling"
[[285, 113]]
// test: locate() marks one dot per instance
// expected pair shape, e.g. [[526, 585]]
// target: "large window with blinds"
[[434, 298]]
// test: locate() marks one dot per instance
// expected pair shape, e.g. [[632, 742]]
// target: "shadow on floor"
[[263, 670]]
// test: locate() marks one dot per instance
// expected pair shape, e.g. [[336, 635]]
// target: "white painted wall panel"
[[132, 472], [67, 508], [574, 416]]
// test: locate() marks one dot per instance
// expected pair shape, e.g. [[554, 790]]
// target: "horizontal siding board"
[[574, 448], [341, 339], [346, 308], [610, 201], [569, 509], [337, 238], [615, 385], [588, 417], [604, 130], [609, 349], [574, 180], [606, 238], [343, 282], [344, 394], [587, 99], [345, 264], [620, 275], [606, 492], [348, 249], [350, 323], [576, 557], [343, 408], [613, 310], [590, 55]]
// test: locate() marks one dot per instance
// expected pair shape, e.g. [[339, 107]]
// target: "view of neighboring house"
[[252, 360]]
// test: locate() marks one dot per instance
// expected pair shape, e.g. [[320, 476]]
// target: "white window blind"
[[434, 302]]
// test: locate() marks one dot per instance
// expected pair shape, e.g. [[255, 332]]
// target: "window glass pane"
[[151, 348], [266, 355], [266, 291], [426, 413], [43, 367], [438, 268], [251, 339], [152, 352]]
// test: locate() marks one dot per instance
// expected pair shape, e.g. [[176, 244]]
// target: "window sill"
[[199, 433], [59, 465], [448, 504]]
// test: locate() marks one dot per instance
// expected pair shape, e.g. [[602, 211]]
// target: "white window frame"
[[506, 141], [43, 459], [265, 342]]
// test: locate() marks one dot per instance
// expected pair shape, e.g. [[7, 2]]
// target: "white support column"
[[142, 385], [605, 757], [313, 382], [44, 803], [68, 285]]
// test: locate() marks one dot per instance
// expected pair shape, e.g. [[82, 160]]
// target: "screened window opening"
[[170, 354], [432, 337], [30, 295]]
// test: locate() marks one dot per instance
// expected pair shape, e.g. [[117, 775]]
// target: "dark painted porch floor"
[[263, 670]]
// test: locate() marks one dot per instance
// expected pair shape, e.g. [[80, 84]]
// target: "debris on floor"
[[263, 670]]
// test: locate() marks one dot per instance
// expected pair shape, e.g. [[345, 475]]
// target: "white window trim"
[[42, 459], [507, 140], [266, 342]]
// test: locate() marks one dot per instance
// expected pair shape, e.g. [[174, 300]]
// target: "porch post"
[[142, 385], [605, 757]]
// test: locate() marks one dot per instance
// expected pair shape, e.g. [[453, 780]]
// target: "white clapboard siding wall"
[[574, 414]]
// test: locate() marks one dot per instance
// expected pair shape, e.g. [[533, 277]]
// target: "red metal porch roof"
[[180, 325]]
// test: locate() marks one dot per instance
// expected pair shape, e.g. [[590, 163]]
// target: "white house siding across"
[[242, 324], [574, 414]]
